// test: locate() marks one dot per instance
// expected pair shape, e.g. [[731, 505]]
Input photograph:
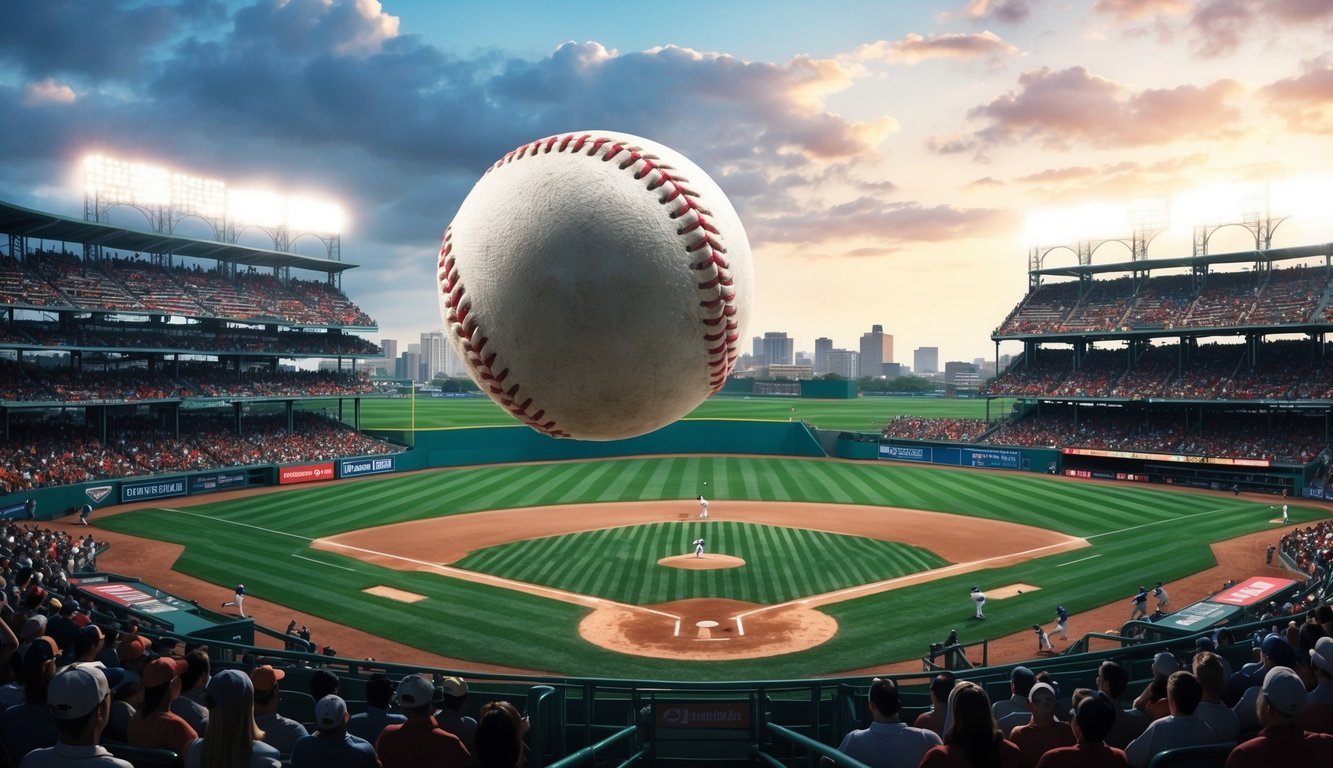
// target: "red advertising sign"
[[306, 473], [127, 596], [1251, 591], [703, 714]]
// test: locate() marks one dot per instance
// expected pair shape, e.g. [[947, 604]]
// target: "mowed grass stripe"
[[786, 563], [493, 625]]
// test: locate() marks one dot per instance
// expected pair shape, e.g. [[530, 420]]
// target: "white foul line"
[[1081, 559], [458, 573], [321, 562]]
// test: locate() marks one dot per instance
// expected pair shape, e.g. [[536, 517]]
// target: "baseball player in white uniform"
[[979, 598], [239, 601], [698, 547], [1163, 599], [1284, 514], [703, 508]]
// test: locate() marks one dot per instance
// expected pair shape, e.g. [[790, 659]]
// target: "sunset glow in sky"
[[884, 156]]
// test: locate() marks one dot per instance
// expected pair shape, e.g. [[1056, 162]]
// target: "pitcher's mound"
[[704, 563]]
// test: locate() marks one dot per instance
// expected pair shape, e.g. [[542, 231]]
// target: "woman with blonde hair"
[[499, 737], [232, 739], [973, 740]]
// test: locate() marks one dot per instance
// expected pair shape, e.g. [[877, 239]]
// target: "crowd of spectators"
[[1285, 438], [33, 383], [182, 338], [1289, 296], [47, 278], [1311, 547], [1281, 370], [49, 452], [953, 430]]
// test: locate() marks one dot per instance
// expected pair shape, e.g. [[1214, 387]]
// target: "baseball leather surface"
[[596, 285]]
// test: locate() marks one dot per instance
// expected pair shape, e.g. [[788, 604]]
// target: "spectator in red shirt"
[[1282, 740], [419, 741], [1093, 719]]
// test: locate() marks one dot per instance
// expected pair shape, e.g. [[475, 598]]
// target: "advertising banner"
[[994, 458], [702, 714], [905, 453], [305, 473], [217, 481], [152, 489], [366, 466], [14, 511], [131, 596], [1251, 591]]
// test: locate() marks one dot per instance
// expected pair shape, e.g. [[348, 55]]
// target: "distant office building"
[[778, 349], [823, 346], [408, 366], [845, 363], [390, 348], [895, 370], [876, 350], [433, 345], [961, 374], [757, 350], [926, 360], [803, 358]]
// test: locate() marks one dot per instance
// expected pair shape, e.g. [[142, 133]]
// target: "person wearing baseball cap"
[[331, 744], [1282, 741], [1318, 713], [1043, 732], [451, 703], [232, 737], [28, 725], [419, 740], [1274, 651], [79, 699], [154, 725], [280, 732]]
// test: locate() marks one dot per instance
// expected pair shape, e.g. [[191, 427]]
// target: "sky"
[[883, 156]]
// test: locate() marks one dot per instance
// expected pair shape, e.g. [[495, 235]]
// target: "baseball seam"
[[702, 244]]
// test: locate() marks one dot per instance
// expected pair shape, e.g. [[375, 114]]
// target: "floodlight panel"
[[198, 196], [256, 207], [150, 185], [306, 214]]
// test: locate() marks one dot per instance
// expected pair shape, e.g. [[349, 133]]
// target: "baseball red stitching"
[[702, 242]]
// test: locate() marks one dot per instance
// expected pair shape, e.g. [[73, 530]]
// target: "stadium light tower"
[[1248, 206], [1084, 229]]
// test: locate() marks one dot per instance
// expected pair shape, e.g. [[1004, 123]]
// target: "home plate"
[[1000, 593], [395, 594]]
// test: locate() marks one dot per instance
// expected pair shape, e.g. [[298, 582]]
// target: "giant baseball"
[[596, 285]]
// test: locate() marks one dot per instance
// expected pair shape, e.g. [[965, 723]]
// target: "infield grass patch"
[[781, 563]]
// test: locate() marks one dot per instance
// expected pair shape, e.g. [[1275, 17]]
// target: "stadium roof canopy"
[[24, 222], [1240, 257]]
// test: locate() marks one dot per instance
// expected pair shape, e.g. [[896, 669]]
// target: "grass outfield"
[[863, 414], [1138, 535]]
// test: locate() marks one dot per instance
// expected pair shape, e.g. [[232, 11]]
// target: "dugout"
[[1217, 473]]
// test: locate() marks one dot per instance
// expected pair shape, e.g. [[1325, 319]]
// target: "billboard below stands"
[[1142, 456], [217, 481], [1197, 617], [1254, 591], [305, 473], [152, 489], [368, 465], [992, 458]]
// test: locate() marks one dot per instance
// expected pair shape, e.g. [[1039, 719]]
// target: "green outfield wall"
[[501, 445]]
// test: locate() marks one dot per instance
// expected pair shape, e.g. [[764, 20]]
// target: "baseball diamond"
[[316, 549]]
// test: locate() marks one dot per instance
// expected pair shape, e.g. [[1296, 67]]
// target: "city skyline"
[[884, 158]]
